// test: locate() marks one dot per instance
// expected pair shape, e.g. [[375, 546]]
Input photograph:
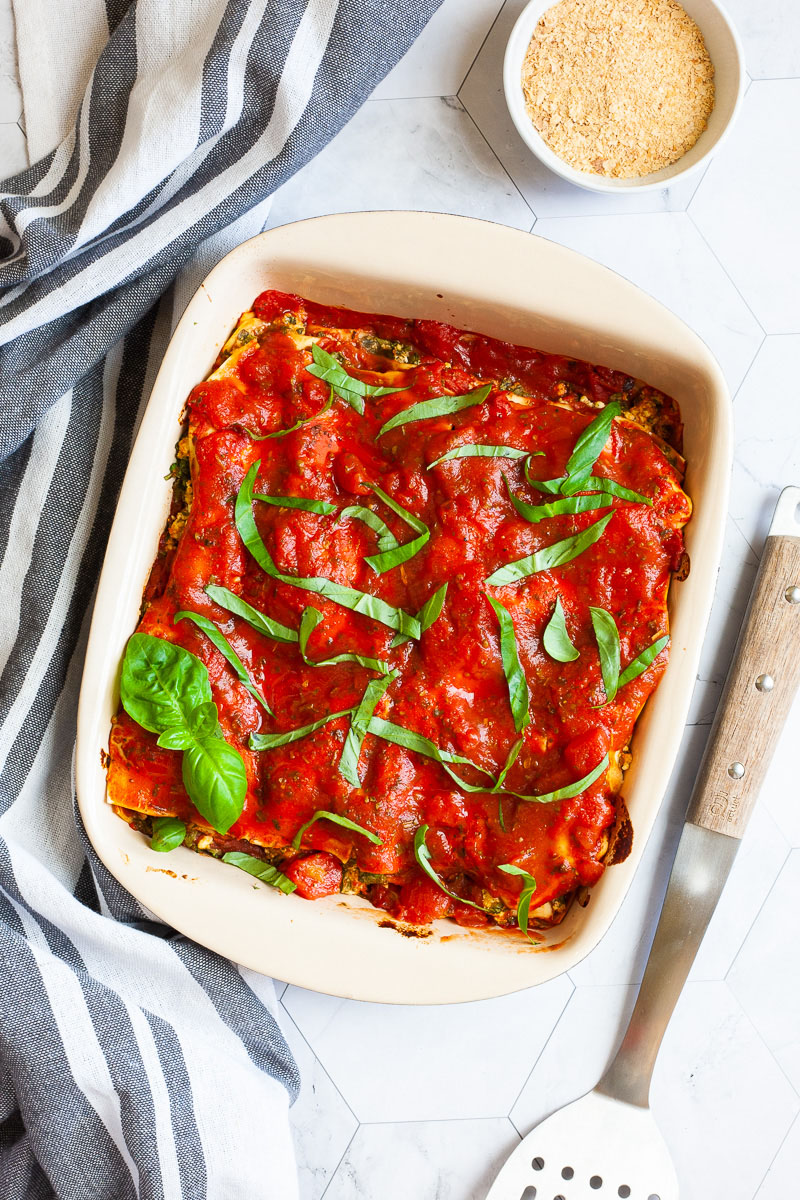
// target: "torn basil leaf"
[[480, 450], [607, 635], [262, 870], [323, 507], [550, 557], [564, 793], [642, 661], [426, 616], [360, 602], [218, 639], [437, 406], [353, 390], [518, 693], [265, 437], [423, 857], [308, 623], [359, 724], [555, 508], [345, 822], [400, 736], [525, 896], [257, 620], [271, 741], [358, 512], [168, 833], [588, 448], [513, 755], [398, 554], [556, 640]]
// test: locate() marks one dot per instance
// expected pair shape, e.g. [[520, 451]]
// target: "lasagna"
[[409, 603]]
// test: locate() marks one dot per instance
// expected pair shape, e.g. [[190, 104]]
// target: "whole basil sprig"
[[166, 690]]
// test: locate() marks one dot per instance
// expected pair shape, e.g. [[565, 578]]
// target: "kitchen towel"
[[133, 1063]]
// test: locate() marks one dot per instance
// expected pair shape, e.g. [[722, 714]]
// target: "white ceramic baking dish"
[[479, 276]]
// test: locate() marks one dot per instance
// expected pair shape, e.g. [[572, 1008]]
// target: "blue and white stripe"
[[133, 1063]]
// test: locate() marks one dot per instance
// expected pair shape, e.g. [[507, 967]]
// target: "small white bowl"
[[725, 50]]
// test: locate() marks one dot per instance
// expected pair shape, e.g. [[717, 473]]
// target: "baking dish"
[[475, 275]]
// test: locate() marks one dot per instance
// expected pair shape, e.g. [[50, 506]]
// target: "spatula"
[[607, 1145]]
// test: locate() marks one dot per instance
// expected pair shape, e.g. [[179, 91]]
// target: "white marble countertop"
[[402, 1103]]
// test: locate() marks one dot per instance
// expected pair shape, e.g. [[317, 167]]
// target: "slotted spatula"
[[606, 1145]]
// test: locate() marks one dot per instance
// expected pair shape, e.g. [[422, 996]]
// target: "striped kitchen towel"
[[133, 1063]]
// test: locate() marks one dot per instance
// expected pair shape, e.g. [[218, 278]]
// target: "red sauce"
[[451, 686]]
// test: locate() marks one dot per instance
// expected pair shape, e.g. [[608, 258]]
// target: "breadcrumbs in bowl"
[[623, 94], [618, 87]]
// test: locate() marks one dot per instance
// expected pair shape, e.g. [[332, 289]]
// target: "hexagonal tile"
[[13, 150], [446, 166], [621, 955], [780, 1180], [767, 454], [395, 1063], [772, 951], [746, 205], [439, 59], [10, 99], [577, 1054], [756, 867], [547, 194], [449, 1160], [770, 31], [322, 1124], [666, 256], [718, 1096], [8, 40]]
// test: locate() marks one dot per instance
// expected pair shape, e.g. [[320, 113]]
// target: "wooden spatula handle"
[[758, 692]]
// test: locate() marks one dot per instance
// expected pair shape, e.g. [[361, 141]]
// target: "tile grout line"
[[318, 1060], [795, 1122], [468, 71], [497, 159], [727, 275], [335, 1170], [541, 1052]]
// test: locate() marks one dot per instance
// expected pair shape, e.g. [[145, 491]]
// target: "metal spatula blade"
[[607, 1144], [595, 1148]]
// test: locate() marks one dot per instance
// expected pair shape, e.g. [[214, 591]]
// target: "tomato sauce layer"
[[448, 685]]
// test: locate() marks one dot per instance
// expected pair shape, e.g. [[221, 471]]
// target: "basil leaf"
[[258, 620], [352, 390], [386, 539], [262, 870], [308, 623], [161, 683], [222, 644], [216, 780], [518, 693], [265, 437], [345, 822], [642, 661], [556, 508], [437, 406], [588, 448], [423, 857], [565, 793], [594, 483], [480, 450], [525, 896], [550, 557], [360, 602], [398, 554], [271, 741], [513, 755], [556, 640], [398, 735], [426, 616], [359, 724], [314, 506], [607, 635], [168, 833]]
